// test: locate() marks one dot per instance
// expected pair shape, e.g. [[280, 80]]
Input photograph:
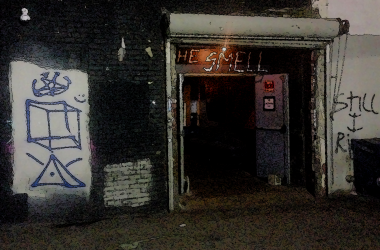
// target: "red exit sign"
[[269, 86]]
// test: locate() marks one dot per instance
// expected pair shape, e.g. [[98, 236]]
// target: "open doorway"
[[235, 127], [220, 135]]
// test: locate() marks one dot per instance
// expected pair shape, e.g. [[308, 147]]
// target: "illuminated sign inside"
[[269, 103], [219, 60], [269, 86]]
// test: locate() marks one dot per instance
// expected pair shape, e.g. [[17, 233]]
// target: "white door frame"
[[181, 132]]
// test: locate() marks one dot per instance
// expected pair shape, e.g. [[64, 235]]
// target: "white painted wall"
[[26, 169], [362, 14], [361, 76]]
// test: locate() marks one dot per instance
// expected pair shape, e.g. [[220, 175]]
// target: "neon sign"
[[219, 60]]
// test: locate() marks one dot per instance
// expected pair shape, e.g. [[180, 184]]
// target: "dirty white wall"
[[362, 14], [50, 166], [322, 6], [359, 84]]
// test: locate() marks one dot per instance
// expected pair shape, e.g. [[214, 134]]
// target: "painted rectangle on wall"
[[50, 115], [128, 184]]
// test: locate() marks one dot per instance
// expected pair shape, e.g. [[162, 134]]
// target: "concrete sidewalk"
[[284, 220]]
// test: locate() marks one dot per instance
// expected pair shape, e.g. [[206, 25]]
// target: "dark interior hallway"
[[220, 162], [220, 135]]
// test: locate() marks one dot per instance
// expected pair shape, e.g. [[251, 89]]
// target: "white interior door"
[[272, 125]]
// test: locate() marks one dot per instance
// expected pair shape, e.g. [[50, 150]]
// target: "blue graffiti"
[[51, 140], [60, 129], [51, 87], [54, 166], [34, 158], [81, 101]]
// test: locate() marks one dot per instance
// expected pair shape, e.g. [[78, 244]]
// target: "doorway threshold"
[[271, 196]]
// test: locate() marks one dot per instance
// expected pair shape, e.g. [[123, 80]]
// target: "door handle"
[[282, 130]]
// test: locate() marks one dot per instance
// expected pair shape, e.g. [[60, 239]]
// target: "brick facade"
[[127, 98]]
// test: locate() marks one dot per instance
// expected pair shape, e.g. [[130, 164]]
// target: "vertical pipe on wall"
[[169, 127]]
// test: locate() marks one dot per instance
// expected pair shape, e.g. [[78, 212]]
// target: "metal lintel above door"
[[252, 42], [254, 30]]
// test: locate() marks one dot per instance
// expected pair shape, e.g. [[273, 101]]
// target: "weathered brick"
[[106, 199], [146, 176], [109, 184], [113, 166], [127, 202], [122, 196], [111, 203], [122, 187], [143, 181], [140, 185], [117, 203], [123, 183], [109, 189], [146, 171], [128, 165], [143, 199]]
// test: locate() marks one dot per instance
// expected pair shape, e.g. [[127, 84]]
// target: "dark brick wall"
[[124, 123]]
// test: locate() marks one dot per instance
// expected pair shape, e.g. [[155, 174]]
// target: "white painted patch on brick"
[[128, 184]]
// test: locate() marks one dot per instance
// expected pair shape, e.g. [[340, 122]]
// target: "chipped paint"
[[149, 51]]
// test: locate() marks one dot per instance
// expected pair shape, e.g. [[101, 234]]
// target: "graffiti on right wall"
[[357, 105]]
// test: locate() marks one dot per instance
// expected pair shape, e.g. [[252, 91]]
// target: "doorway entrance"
[[235, 128], [234, 65]]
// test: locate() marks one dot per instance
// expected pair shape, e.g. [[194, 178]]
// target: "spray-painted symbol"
[[353, 129], [59, 174], [49, 134], [49, 131], [51, 87]]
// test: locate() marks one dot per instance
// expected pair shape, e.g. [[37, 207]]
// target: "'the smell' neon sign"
[[219, 60]]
